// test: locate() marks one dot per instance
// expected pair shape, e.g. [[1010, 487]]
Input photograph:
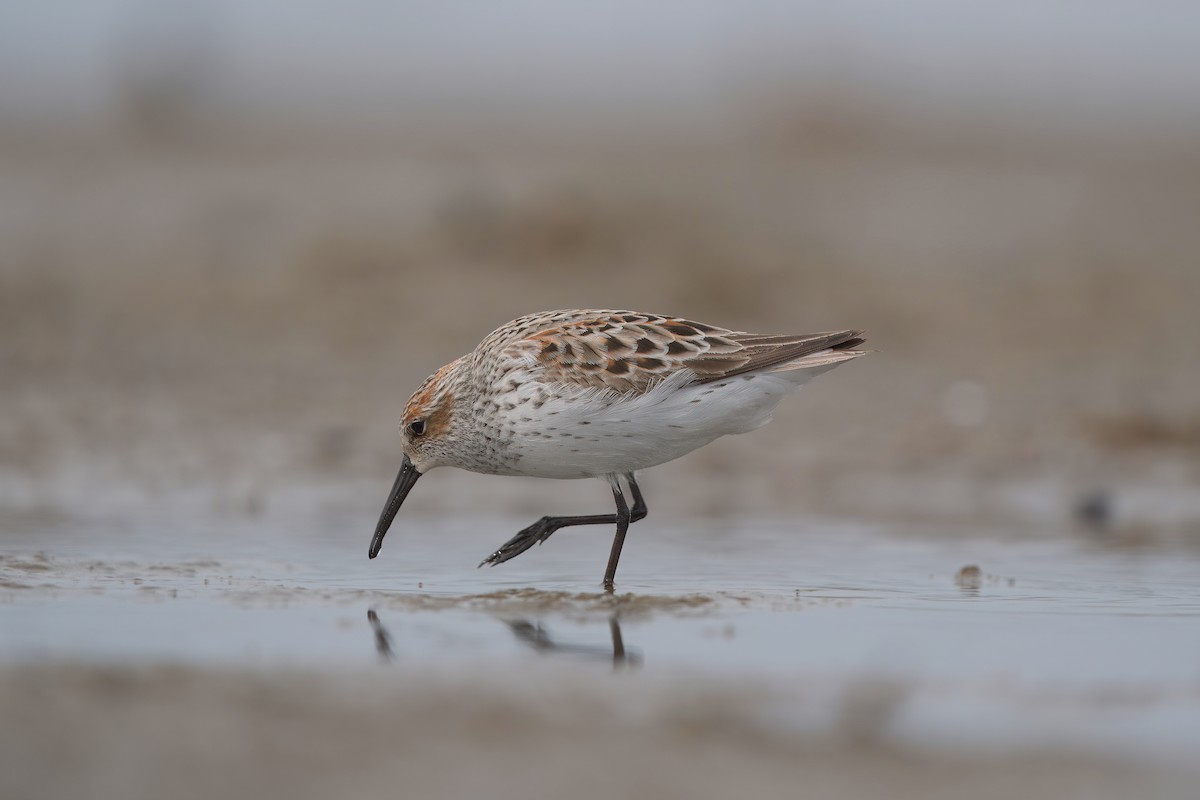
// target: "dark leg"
[[619, 540], [639, 510], [540, 531]]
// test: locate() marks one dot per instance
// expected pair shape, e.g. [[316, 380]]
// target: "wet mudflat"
[[769, 641]]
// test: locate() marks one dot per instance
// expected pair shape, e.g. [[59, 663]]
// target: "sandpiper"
[[598, 394]]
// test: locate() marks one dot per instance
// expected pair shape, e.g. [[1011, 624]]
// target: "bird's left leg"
[[614, 556], [541, 530]]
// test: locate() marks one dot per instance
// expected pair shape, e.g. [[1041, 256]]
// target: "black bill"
[[405, 480]]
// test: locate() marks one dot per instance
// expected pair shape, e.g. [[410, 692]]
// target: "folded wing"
[[624, 351]]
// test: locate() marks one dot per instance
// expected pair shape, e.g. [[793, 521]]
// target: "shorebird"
[[598, 394]]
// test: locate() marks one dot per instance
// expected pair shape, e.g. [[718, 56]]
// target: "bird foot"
[[536, 533]]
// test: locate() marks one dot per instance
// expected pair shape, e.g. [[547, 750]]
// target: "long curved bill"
[[405, 480]]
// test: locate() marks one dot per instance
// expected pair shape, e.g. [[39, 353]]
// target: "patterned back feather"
[[630, 352]]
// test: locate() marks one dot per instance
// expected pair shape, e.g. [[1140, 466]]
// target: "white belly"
[[592, 434]]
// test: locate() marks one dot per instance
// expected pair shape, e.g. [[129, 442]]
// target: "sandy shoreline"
[[106, 732]]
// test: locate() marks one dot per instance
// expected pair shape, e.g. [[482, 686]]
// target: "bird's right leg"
[[541, 530]]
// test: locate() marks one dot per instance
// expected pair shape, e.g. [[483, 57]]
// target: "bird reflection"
[[537, 637], [383, 639]]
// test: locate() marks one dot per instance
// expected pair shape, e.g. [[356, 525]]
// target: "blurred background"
[[235, 236]]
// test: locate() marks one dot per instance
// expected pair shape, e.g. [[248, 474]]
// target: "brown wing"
[[627, 351]]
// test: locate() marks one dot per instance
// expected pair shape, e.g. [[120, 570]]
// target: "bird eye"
[[417, 427]]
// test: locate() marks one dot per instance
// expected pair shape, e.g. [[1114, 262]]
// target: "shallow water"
[[1057, 640]]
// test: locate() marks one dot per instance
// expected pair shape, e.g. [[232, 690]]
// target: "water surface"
[[1054, 638]]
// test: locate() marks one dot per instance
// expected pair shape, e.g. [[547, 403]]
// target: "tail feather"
[[816, 363], [774, 353], [813, 364]]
